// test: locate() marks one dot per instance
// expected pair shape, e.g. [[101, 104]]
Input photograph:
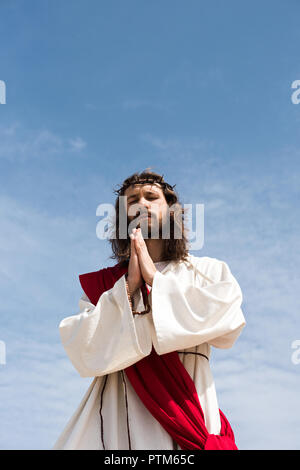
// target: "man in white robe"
[[195, 304]]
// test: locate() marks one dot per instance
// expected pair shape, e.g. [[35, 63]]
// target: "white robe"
[[195, 304]]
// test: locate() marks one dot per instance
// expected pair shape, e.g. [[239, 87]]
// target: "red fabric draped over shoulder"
[[163, 384]]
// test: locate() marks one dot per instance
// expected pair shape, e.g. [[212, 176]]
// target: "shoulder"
[[94, 276], [213, 269], [95, 283]]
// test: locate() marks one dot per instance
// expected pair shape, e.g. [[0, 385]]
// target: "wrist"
[[131, 302]]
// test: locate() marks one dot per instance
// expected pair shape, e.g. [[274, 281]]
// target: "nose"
[[144, 205]]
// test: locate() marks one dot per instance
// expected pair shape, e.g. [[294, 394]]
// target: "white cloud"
[[77, 144], [41, 257], [252, 221], [21, 144]]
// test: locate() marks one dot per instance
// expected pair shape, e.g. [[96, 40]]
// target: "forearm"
[[104, 338]]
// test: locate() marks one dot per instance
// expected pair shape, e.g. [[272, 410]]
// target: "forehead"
[[141, 188]]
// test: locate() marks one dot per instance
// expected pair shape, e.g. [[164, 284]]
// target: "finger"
[[140, 240], [137, 245], [132, 242], [134, 233], [138, 234], [133, 246]]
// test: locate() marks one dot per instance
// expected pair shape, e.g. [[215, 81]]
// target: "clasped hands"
[[141, 266]]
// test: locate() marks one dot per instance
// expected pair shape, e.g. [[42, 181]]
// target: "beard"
[[157, 226], [154, 228]]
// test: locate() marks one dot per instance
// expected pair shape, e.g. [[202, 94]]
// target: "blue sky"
[[201, 92]]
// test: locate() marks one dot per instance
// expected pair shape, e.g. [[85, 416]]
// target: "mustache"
[[142, 215], [143, 220]]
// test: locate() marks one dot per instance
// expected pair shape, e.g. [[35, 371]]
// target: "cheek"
[[159, 208], [162, 210]]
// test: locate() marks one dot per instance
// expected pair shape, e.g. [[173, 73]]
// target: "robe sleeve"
[[105, 338], [186, 314]]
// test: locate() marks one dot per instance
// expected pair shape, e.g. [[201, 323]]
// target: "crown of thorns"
[[139, 180]]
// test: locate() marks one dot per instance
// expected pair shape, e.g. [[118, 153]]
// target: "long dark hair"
[[174, 248]]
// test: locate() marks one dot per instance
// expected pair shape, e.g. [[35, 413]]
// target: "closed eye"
[[149, 197]]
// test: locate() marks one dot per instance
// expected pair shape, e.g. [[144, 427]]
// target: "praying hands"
[[141, 265]]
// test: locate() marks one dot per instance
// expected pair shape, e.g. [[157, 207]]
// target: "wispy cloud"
[[32, 244], [77, 144], [189, 96], [252, 221], [37, 293], [19, 143], [179, 145], [49, 389]]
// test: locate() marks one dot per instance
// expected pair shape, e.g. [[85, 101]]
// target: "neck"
[[155, 248]]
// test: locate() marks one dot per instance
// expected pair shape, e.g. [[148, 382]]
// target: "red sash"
[[164, 385]]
